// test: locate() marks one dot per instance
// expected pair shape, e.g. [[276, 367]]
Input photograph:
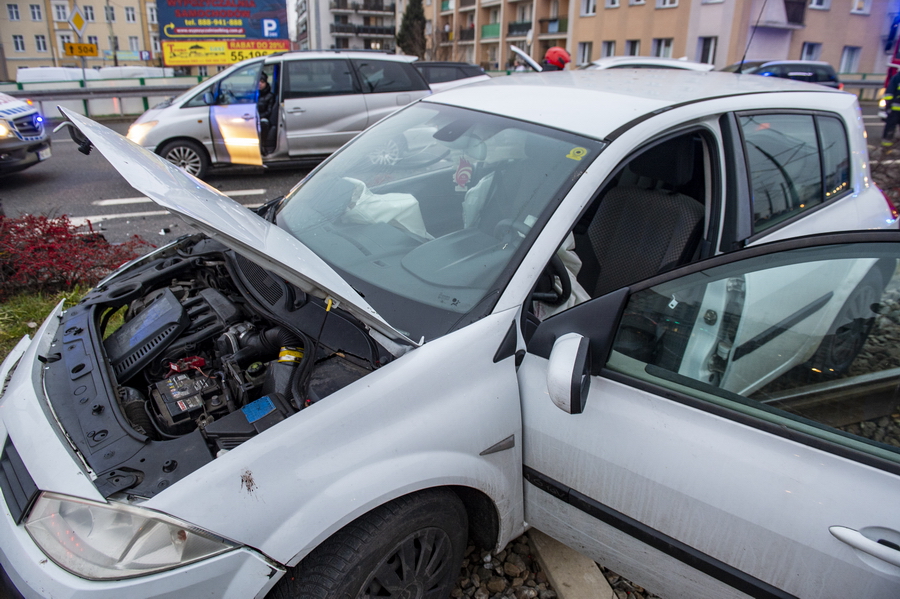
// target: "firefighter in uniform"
[[892, 101]]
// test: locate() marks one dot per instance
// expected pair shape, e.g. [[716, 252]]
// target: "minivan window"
[[388, 76], [240, 87], [316, 78]]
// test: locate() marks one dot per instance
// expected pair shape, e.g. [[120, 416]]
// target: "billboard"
[[222, 19], [222, 52]]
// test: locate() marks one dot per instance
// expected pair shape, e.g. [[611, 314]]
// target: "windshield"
[[427, 212]]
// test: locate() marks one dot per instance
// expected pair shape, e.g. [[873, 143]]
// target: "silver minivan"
[[322, 98]]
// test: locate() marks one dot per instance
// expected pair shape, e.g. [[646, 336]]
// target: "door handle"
[[296, 110], [249, 117], [883, 549]]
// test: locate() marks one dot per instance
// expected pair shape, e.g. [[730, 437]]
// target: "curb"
[[572, 575]]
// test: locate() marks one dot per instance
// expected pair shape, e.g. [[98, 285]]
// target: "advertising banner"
[[225, 52], [222, 19]]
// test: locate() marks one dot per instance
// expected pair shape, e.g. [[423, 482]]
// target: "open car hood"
[[220, 217]]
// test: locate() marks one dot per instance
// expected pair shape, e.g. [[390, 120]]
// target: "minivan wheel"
[[411, 548], [187, 155]]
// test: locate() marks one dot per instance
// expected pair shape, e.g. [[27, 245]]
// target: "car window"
[[388, 76], [240, 87], [803, 339], [425, 212], [785, 157], [315, 78], [439, 74]]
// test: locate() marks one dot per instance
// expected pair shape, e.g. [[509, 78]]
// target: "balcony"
[[551, 26], [341, 5], [489, 31], [343, 28], [467, 4], [370, 30], [519, 29], [373, 6], [446, 5], [467, 34]]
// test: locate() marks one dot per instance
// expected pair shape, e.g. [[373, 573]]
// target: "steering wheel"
[[555, 270], [506, 228]]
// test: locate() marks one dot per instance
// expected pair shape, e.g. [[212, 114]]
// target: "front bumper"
[[26, 571], [19, 158]]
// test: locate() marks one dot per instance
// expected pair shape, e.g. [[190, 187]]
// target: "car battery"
[[179, 398]]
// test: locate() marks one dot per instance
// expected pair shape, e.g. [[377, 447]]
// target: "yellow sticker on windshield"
[[577, 153]]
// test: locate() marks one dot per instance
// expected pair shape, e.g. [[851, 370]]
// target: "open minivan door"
[[738, 435], [233, 117]]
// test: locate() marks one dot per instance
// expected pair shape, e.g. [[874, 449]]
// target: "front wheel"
[[187, 155], [411, 548]]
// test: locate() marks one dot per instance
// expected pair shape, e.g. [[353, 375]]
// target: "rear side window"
[[441, 74], [314, 78], [796, 162], [379, 76]]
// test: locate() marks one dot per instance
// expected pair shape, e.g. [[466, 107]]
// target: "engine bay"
[[212, 350]]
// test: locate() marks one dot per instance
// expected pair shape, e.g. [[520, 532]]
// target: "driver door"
[[693, 485], [233, 118]]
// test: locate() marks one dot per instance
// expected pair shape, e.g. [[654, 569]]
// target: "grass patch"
[[22, 314]]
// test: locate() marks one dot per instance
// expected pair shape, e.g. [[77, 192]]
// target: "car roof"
[[358, 54], [444, 63], [613, 62], [597, 102]]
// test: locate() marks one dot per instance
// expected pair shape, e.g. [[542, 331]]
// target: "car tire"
[[187, 155], [370, 557], [851, 327]]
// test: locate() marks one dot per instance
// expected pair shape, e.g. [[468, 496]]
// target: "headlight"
[[101, 541], [139, 131], [5, 129]]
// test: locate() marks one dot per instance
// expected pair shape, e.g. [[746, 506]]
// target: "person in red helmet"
[[556, 59]]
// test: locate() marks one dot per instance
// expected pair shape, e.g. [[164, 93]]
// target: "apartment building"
[[354, 25], [850, 34], [33, 34]]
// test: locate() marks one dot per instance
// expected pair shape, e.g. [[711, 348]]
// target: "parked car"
[[568, 319], [325, 99], [810, 71], [447, 75], [646, 62], [23, 139]]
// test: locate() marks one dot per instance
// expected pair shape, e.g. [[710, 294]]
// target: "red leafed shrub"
[[47, 255]]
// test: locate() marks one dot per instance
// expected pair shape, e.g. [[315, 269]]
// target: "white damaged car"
[[597, 313]]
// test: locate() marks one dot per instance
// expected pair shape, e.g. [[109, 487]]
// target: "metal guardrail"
[[98, 93]]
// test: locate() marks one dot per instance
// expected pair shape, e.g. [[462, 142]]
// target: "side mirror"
[[569, 373]]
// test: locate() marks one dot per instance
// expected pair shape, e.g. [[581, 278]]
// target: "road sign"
[[78, 22], [81, 49]]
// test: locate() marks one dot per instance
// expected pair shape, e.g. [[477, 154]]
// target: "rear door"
[[323, 105], [784, 488], [388, 85]]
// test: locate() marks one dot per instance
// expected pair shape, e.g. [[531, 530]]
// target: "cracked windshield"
[[425, 212]]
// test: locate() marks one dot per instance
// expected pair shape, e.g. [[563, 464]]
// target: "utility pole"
[[113, 40]]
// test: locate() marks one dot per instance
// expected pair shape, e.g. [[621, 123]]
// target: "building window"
[[13, 11], [861, 7], [40, 42], [37, 13], [203, 71], [584, 52], [110, 13], [612, 4], [662, 47], [850, 59], [114, 43], [666, 3], [810, 51], [92, 39], [151, 14], [588, 7], [62, 39], [133, 44], [706, 52], [608, 49], [129, 14], [820, 4], [61, 12], [88, 12], [632, 47], [220, 68], [18, 43], [154, 43], [635, 2]]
